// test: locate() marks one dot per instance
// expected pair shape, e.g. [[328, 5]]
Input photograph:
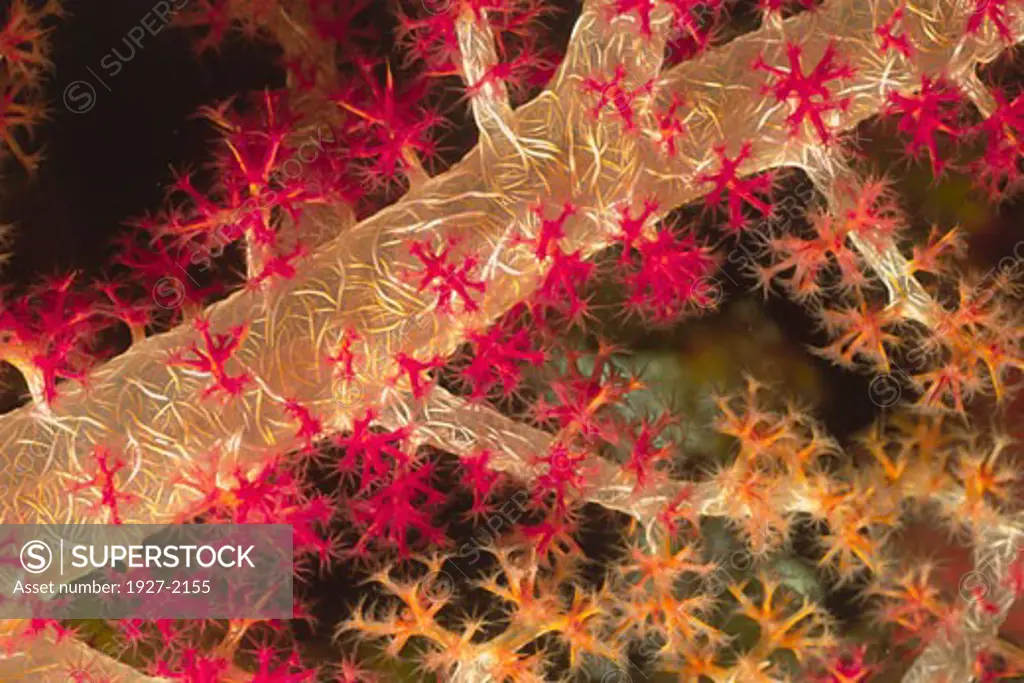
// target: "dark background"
[[111, 163]]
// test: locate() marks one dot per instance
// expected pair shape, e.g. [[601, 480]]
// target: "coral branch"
[[66, 661], [352, 283], [951, 656]]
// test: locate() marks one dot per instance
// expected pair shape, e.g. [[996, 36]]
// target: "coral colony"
[[416, 366]]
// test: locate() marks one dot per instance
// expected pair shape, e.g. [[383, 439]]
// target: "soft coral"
[[498, 355], [1003, 132], [262, 170], [561, 291], [810, 91], [934, 109], [727, 179], [24, 59], [393, 127], [612, 92], [671, 276], [162, 266], [994, 11], [398, 509], [107, 465], [24, 38], [47, 335], [211, 358], [451, 277], [433, 38]]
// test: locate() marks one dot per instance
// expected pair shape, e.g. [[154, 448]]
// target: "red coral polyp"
[[451, 277], [811, 93], [211, 356]]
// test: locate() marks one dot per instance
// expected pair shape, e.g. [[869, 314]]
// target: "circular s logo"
[[347, 392], [884, 391], [973, 586], [438, 6], [36, 557], [169, 293], [79, 97], [438, 587]]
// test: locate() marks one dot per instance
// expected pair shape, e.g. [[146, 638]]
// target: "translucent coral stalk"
[[152, 409]]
